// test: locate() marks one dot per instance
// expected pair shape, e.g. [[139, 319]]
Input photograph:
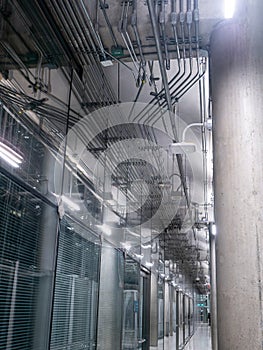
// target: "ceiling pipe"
[[182, 24], [50, 40], [163, 34], [190, 18], [161, 63], [137, 37], [122, 27], [196, 78], [74, 41], [174, 27], [167, 93], [75, 36], [84, 20], [85, 41], [94, 32], [175, 79], [102, 6], [18, 61], [184, 85]]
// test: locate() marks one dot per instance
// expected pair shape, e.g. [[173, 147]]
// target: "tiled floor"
[[201, 340]]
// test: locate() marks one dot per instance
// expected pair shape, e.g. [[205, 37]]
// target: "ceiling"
[[153, 59]]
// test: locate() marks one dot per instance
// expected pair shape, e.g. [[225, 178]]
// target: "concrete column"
[[171, 288], [213, 305], [110, 315], [237, 93], [154, 311], [166, 309], [177, 341]]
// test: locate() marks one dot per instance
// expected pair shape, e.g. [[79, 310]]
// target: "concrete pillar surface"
[[237, 94], [110, 315], [154, 311]]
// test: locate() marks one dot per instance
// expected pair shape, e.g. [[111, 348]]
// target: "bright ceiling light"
[[10, 156], [229, 8], [213, 229], [8, 160]]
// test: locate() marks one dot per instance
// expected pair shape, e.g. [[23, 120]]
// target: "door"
[[136, 308], [144, 316]]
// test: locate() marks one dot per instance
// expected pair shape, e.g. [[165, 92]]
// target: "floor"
[[201, 340]]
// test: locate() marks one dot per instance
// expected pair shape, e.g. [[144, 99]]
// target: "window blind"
[[23, 273], [74, 322]]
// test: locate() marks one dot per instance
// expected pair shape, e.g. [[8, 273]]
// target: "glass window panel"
[[76, 289], [26, 277]]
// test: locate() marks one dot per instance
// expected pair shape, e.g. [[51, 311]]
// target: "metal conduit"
[[74, 33], [86, 53], [70, 35], [167, 92], [164, 38], [182, 91], [81, 19], [108, 23], [122, 27], [137, 37], [185, 84], [73, 40], [98, 68]]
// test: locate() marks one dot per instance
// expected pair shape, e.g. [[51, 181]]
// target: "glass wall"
[[160, 309], [27, 260], [76, 289], [132, 322]]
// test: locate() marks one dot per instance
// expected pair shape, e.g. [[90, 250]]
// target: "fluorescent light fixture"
[[10, 156], [229, 8], [8, 160], [72, 205], [106, 63], [213, 229]]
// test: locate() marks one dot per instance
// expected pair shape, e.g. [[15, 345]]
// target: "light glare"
[[213, 230], [12, 156], [8, 160], [105, 229], [229, 8]]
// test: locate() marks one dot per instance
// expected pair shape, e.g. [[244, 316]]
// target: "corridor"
[[201, 340]]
